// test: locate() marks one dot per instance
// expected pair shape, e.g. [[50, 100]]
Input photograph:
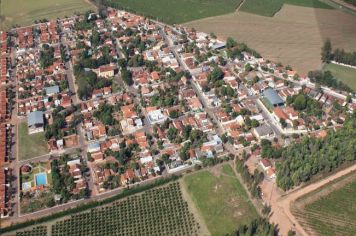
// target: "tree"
[[230, 43], [216, 74], [300, 102], [326, 51]]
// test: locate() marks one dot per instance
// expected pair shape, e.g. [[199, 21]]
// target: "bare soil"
[[294, 36]]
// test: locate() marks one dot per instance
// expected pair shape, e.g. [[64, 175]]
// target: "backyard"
[[25, 12], [30, 146], [173, 12], [220, 199], [343, 73]]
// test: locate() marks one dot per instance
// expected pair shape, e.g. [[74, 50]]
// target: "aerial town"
[[92, 106]]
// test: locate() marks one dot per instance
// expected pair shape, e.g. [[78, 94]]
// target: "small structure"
[[273, 98], [156, 116], [35, 122]]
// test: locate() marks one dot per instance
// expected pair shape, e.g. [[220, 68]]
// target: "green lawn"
[[25, 12], [31, 145], [335, 213], [173, 11], [271, 7], [222, 201], [343, 73]]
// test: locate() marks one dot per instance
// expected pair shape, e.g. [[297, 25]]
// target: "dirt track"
[[293, 36], [283, 204]]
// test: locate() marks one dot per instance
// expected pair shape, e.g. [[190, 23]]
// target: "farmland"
[[159, 211], [342, 73], [25, 12], [292, 36], [271, 7], [31, 145], [330, 210], [221, 200], [174, 12]]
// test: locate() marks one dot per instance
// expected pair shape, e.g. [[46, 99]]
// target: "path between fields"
[[240, 5], [284, 203]]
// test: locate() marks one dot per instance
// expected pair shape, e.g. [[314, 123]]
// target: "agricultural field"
[[36, 231], [330, 210], [271, 7], [293, 36], [343, 73], [30, 146], [159, 211], [173, 12], [25, 12], [220, 199]]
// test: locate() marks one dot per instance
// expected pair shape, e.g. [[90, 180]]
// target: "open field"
[[330, 210], [159, 211], [31, 145], [220, 199], [293, 36], [25, 12], [343, 73], [271, 7], [174, 12]]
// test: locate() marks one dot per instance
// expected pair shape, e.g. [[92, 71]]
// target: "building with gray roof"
[[272, 97], [35, 122], [52, 90]]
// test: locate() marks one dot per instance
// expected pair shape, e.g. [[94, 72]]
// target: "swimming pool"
[[41, 179]]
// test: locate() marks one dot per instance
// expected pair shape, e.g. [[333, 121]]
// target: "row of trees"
[[338, 55], [312, 156], [252, 181], [326, 78]]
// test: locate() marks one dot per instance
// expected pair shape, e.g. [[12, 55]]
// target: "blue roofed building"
[[52, 90], [35, 122], [272, 97]]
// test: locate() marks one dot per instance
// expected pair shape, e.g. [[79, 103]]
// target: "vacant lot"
[[293, 36], [330, 210], [173, 12], [343, 73], [25, 12], [271, 7], [31, 145], [220, 199]]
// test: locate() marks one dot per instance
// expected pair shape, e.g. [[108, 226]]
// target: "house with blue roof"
[[273, 98]]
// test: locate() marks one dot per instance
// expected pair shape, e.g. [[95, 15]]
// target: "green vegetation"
[[271, 7], [222, 200], [173, 12], [159, 211], [31, 145], [344, 74], [90, 205], [46, 56], [259, 226], [326, 78], [252, 181], [301, 161], [332, 214], [25, 12]]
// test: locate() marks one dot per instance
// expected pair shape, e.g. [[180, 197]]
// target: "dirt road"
[[282, 206]]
